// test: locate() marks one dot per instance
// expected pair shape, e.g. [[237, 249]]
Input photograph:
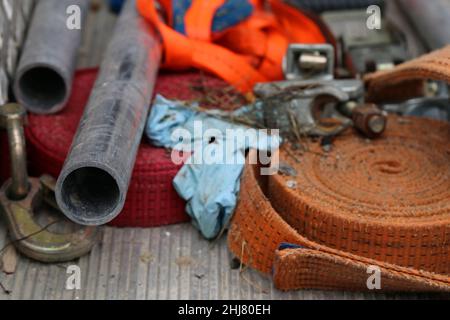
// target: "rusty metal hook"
[[21, 197]]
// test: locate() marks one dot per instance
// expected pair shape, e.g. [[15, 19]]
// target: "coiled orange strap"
[[382, 203], [406, 80]]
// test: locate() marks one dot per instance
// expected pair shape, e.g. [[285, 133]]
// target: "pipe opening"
[[90, 194], [42, 88]]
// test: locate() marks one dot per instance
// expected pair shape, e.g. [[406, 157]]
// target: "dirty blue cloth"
[[228, 15], [209, 180]]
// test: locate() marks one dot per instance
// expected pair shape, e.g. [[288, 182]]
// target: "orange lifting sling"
[[250, 52]]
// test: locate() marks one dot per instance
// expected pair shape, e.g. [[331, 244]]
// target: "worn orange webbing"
[[383, 203], [406, 80], [243, 55]]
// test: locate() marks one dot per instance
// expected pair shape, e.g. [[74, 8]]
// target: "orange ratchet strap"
[[406, 80], [328, 220], [248, 53]]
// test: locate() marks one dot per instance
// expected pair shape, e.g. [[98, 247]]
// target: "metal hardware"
[[12, 118], [299, 110], [300, 107], [435, 108], [314, 62], [309, 62], [368, 118], [353, 87], [361, 49], [36, 227]]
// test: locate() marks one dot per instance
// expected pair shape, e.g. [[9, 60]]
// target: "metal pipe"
[[12, 117], [431, 19], [44, 75], [92, 186]]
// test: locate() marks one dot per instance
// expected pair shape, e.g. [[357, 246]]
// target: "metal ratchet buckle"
[[309, 61], [36, 226], [299, 106]]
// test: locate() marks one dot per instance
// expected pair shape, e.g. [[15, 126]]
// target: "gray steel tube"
[[431, 19], [44, 75], [93, 184]]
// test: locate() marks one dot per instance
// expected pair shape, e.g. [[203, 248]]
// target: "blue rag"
[[209, 179], [228, 15]]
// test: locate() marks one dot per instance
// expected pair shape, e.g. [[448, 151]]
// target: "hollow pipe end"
[[90, 194], [41, 88]]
